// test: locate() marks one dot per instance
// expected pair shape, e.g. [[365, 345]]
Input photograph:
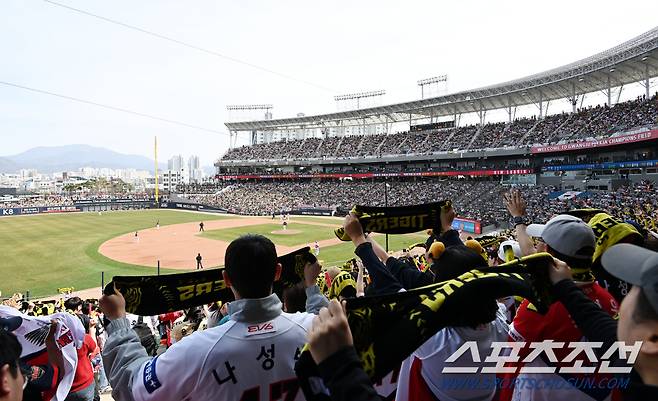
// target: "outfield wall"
[[192, 206], [82, 205], [17, 211]]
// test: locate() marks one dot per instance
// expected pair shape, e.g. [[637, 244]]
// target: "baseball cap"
[[569, 236], [10, 324], [634, 265], [516, 248], [536, 230]]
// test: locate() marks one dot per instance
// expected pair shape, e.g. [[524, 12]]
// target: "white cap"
[[515, 247]]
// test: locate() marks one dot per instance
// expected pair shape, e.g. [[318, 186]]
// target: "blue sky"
[[345, 46]]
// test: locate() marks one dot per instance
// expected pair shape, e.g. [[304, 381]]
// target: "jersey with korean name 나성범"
[[234, 361]]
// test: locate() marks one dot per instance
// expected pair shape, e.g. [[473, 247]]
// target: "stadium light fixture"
[[249, 107], [360, 95], [612, 69], [429, 81], [645, 58], [433, 80]]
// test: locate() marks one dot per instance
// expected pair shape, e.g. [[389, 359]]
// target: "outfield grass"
[[307, 233], [45, 252], [320, 220], [335, 255]]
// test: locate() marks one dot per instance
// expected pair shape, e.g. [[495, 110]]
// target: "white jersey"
[[150, 321], [422, 377], [234, 361]]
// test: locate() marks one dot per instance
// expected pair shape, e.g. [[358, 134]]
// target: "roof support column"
[[509, 109], [541, 104], [482, 114], [573, 99], [646, 80], [454, 113], [609, 93], [621, 88]]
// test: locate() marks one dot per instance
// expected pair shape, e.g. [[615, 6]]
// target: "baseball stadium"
[[427, 219]]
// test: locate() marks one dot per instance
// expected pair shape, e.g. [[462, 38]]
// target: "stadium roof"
[[630, 62]]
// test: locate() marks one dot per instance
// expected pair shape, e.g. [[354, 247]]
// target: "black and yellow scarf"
[[378, 324], [154, 295], [398, 219]]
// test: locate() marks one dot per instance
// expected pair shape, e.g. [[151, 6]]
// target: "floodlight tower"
[[431, 81], [246, 113], [359, 96]]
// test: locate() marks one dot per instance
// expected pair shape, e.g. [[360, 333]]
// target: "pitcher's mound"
[[286, 232]]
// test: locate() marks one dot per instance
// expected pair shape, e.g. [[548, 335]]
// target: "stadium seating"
[[476, 199], [586, 123]]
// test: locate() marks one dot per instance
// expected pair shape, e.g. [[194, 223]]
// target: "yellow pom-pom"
[[437, 249]]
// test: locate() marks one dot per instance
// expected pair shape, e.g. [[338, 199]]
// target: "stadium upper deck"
[[633, 61]]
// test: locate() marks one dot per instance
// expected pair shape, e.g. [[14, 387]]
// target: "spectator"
[[258, 326], [638, 316], [331, 345], [567, 238], [12, 378]]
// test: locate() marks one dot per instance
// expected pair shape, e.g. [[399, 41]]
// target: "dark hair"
[[643, 310], [73, 303], [86, 307], [294, 298], [455, 261], [573, 263], [348, 292], [10, 351], [250, 263]]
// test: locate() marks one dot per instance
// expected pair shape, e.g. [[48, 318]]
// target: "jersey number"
[[285, 390]]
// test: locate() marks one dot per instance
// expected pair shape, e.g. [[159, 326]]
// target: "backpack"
[[146, 337]]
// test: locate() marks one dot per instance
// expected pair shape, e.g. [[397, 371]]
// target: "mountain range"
[[50, 159]]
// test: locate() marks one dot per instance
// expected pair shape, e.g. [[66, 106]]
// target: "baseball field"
[[42, 253]]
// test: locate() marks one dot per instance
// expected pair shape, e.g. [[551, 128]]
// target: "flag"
[[31, 332]]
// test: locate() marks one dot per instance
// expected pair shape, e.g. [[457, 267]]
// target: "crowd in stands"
[[473, 196], [477, 199], [602, 274], [25, 201], [588, 122], [36, 201]]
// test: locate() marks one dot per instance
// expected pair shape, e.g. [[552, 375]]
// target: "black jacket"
[[383, 282], [345, 379], [597, 325]]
